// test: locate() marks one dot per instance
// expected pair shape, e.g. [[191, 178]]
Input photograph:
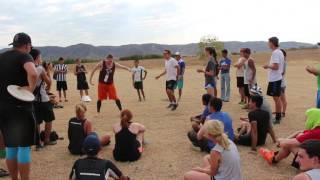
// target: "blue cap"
[[91, 144]]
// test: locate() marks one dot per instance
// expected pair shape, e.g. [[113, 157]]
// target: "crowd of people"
[[212, 131]]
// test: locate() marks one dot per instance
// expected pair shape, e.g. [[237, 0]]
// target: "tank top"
[[126, 147], [240, 71], [81, 76], [106, 73], [248, 73], [314, 174], [76, 135]]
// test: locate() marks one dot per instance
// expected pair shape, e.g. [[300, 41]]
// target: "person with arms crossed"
[[249, 74], [60, 75], [182, 66], [171, 70], [139, 74], [82, 85], [240, 77], [275, 68], [106, 88], [224, 66], [17, 121]]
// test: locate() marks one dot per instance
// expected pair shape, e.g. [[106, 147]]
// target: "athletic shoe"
[[275, 121], [174, 107], [226, 100], [39, 147], [50, 143], [170, 106], [266, 154]]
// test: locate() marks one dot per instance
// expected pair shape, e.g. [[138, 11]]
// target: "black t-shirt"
[[12, 72], [93, 168], [262, 118], [81, 76]]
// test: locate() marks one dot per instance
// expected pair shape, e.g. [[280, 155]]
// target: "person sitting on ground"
[[309, 160], [257, 126], [291, 144], [315, 71], [78, 129], [216, 114], [224, 159], [93, 167], [129, 137], [197, 121]]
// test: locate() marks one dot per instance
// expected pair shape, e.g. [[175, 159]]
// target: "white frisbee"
[[20, 93]]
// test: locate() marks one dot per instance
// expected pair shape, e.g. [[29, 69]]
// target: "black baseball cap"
[[91, 144], [21, 39]]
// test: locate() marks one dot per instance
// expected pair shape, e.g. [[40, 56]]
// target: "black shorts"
[[274, 88], [171, 84], [18, 125], [82, 85], [244, 140], [246, 90], [138, 85], [62, 85], [44, 112], [240, 82]]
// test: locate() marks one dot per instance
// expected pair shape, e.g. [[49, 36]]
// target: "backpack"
[[53, 136]]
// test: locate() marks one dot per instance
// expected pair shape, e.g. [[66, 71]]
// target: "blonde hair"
[[215, 129], [81, 108]]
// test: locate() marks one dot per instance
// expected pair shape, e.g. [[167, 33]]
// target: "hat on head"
[[256, 90], [177, 54], [91, 144], [21, 39]]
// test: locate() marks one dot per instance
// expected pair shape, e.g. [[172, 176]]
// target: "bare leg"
[[277, 102], [140, 138], [59, 96], [210, 91], [169, 95], [195, 175], [139, 94], [180, 93], [13, 168], [24, 171], [206, 161], [65, 95], [215, 91], [81, 93], [47, 132], [86, 91], [283, 102], [283, 153], [241, 91], [142, 92]]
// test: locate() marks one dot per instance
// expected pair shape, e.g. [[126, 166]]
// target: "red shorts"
[[106, 91]]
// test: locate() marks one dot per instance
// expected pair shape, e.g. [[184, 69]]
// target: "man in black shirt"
[[17, 121], [92, 167], [259, 122]]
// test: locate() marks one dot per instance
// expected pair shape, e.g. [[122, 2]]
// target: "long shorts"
[[171, 84], [44, 112], [82, 85], [180, 84], [18, 124], [274, 88], [107, 91], [240, 82], [138, 85], [62, 85], [246, 90]]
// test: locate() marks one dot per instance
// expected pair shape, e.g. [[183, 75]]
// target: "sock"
[[98, 106], [119, 104], [278, 116]]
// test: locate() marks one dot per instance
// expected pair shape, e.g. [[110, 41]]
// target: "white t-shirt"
[[277, 57], [240, 71], [137, 73], [171, 69]]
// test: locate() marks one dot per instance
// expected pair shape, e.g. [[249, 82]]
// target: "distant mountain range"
[[87, 51]]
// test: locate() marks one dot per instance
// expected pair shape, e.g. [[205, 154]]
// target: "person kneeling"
[[129, 138], [92, 167], [254, 132], [79, 128]]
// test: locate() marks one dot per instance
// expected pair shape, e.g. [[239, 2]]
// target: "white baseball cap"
[[177, 54]]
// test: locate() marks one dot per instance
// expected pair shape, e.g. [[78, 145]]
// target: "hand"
[[265, 66], [200, 71], [157, 77]]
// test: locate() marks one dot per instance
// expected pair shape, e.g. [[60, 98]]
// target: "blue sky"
[[118, 22]]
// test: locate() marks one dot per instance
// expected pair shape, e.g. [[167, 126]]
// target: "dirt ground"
[[169, 154]]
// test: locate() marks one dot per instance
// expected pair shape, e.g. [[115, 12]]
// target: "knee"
[[105, 140], [188, 175]]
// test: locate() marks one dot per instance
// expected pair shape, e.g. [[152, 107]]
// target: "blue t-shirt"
[[182, 66], [227, 122], [225, 65], [206, 112]]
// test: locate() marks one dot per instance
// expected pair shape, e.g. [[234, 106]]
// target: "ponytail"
[[126, 117], [215, 129]]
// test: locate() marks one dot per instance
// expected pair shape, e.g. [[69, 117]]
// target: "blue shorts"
[[318, 99], [20, 154], [180, 84], [210, 85]]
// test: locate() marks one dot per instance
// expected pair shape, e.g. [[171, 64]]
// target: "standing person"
[[223, 162], [139, 74], [284, 85], [240, 77], [60, 74], [171, 70], [82, 85], [249, 74], [224, 66], [275, 68], [42, 106], [17, 121], [106, 88], [210, 71], [309, 160], [315, 71], [182, 66]]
